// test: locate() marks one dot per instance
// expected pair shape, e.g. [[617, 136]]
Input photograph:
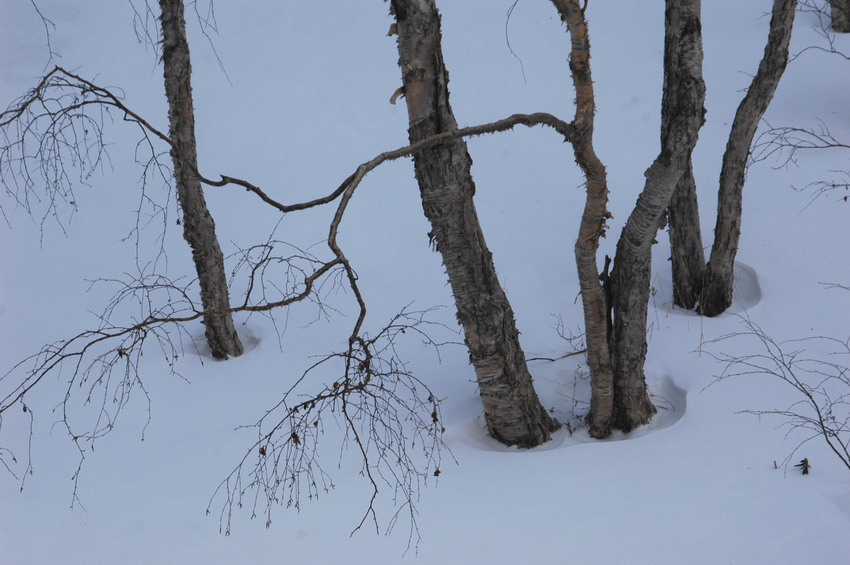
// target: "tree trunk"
[[513, 411], [717, 286], [840, 13], [686, 252], [630, 280], [681, 22], [198, 225], [592, 227]]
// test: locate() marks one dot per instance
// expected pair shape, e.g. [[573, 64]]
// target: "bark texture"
[[717, 286], [198, 225], [840, 13], [630, 279], [592, 227], [682, 24], [686, 252], [511, 406]]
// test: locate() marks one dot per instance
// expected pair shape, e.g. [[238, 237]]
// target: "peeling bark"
[[592, 227], [616, 311], [717, 286], [198, 225], [513, 411]]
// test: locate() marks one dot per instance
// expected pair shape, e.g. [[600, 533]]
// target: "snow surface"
[[303, 102]]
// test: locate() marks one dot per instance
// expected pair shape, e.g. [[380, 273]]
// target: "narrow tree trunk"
[[593, 298], [681, 22], [198, 225], [511, 406], [717, 287], [630, 280], [840, 14], [686, 252]]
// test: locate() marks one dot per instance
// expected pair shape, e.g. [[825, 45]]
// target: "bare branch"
[[823, 28], [530, 120], [54, 128], [145, 26], [54, 116], [49, 26], [783, 144], [822, 385], [389, 414], [147, 30]]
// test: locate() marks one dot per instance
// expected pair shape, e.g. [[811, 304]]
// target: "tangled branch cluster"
[[390, 416], [386, 412], [53, 138]]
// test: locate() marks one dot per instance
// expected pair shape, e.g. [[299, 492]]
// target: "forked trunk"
[[717, 287], [511, 406], [198, 225], [630, 279]]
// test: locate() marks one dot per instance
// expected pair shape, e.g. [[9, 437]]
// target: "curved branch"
[[530, 120]]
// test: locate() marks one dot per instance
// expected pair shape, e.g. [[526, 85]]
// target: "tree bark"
[[682, 20], [630, 279], [687, 256], [512, 409], [840, 13], [592, 227], [198, 225], [717, 286]]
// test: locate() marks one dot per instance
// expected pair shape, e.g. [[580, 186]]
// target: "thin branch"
[[822, 385], [48, 26], [530, 120]]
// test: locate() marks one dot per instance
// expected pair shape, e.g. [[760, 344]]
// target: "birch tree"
[[512, 409], [695, 283], [198, 224], [595, 303], [630, 277], [616, 357], [716, 294], [686, 250]]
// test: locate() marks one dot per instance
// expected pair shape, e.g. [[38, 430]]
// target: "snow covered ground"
[[305, 100]]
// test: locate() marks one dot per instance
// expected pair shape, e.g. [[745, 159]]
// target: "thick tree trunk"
[[630, 280], [593, 297], [198, 225], [682, 20], [511, 406], [717, 286], [840, 14]]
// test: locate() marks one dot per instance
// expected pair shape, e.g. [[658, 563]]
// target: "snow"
[[304, 101]]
